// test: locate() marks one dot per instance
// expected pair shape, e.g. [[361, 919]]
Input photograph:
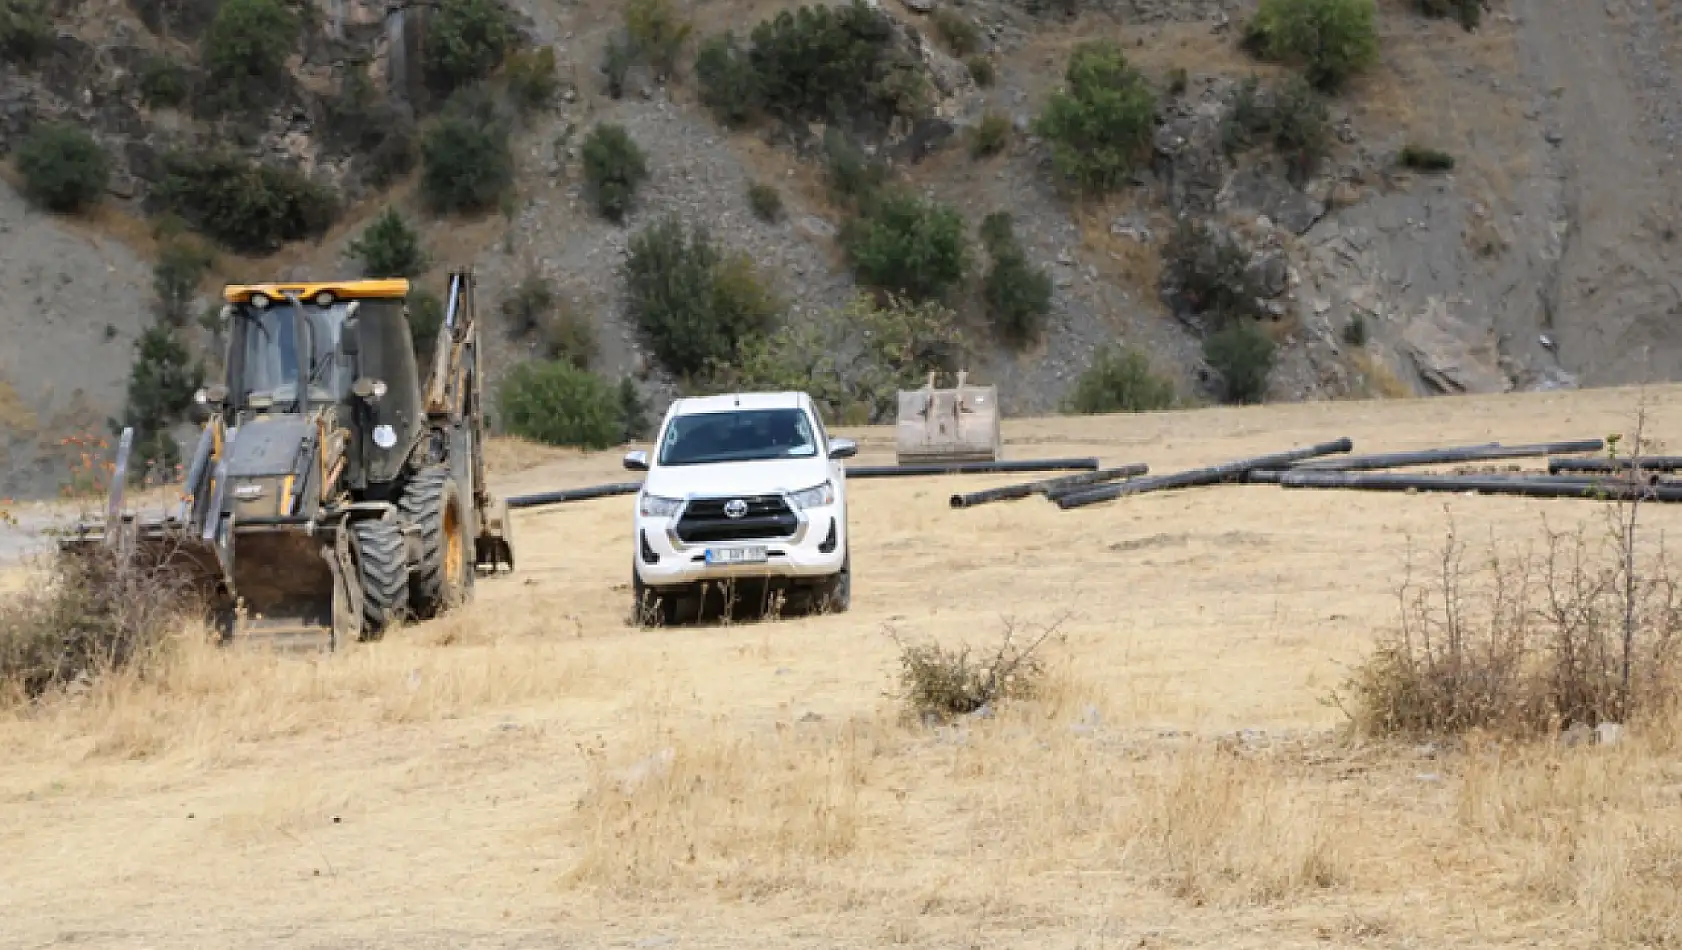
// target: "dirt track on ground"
[[531, 772]]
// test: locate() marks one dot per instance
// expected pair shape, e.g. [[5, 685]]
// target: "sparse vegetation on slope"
[[245, 54], [63, 168], [1018, 293], [557, 403], [1100, 124], [614, 166], [389, 247], [246, 207], [465, 41], [467, 165], [1328, 41], [1121, 379], [908, 245]]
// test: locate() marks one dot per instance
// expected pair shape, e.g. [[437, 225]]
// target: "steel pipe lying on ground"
[[573, 494], [973, 468], [1229, 471], [1048, 487], [1652, 463], [1465, 453], [1533, 486]]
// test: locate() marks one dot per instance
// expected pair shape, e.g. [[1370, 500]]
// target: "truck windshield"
[[742, 435], [270, 352]]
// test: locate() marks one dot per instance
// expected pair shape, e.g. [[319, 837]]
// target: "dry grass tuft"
[[938, 683]]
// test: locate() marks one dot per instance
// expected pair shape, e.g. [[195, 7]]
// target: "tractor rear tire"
[[443, 577], [382, 563]]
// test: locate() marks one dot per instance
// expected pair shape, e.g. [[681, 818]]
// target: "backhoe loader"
[[333, 492]]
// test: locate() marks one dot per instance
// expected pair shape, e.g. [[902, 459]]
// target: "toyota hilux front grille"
[[757, 517]]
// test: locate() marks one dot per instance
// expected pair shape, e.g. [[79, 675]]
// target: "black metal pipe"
[[973, 468], [1652, 463], [1465, 453], [1048, 487], [573, 494], [1533, 486], [1228, 471]]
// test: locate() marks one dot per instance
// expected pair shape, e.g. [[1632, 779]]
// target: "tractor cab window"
[[270, 363]]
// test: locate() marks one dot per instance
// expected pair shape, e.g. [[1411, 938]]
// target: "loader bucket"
[[960, 424], [285, 587]]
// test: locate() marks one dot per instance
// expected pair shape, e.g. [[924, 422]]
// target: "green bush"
[[1329, 41], [1209, 271], [1242, 356], [569, 336], [959, 32], [726, 80], [363, 123], [466, 163], [559, 404], [1468, 12], [1423, 159], [532, 82], [1100, 126], [633, 411], [853, 360], [1355, 331], [161, 384], [245, 52], [465, 42], [1017, 292], [827, 63], [163, 82], [981, 70], [1292, 118], [694, 304], [908, 245], [26, 32], [854, 177], [1121, 380], [426, 318], [656, 32], [614, 166], [991, 135], [766, 201], [530, 304], [63, 168], [618, 56], [249, 208], [181, 265], [388, 247]]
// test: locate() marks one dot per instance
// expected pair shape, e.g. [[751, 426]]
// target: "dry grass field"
[[532, 772]]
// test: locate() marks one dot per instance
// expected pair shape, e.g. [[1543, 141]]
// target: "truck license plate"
[[744, 555]]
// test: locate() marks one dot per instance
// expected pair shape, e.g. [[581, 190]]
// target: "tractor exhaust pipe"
[[1466, 453], [1048, 487], [1530, 486], [1229, 471], [973, 468]]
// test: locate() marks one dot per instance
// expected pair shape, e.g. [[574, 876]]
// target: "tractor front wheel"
[[378, 549], [443, 576]]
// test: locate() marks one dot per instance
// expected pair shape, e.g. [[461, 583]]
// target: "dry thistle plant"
[[938, 683]]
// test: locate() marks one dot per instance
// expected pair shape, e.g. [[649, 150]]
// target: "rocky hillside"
[[1477, 209]]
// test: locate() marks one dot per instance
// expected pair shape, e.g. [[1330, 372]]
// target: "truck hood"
[[737, 478]]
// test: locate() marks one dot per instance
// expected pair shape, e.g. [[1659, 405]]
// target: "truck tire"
[[835, 594], [382, 566], [650, 608], [443, 576]]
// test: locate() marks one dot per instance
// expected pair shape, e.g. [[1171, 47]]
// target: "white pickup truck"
[[745, 486]]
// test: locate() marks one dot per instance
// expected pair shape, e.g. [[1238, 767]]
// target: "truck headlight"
[[657, 506], [817, 496]]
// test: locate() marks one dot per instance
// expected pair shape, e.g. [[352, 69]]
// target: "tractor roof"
[[342, 289]]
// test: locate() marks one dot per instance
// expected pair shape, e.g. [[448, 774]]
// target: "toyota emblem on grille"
[[735, 508]]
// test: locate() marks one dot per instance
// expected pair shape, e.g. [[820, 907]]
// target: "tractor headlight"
[[657, 506], [818, 496]]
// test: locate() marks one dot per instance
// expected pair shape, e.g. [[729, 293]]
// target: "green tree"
[[1242, 355], [465, 41], [1101, 124], [466, 162], [249, 208], [614, 166], [245, 51], [161, 384], [175, 278], [559, 404], [908, 245], [1328, 40], [63, 168], [388, 247]]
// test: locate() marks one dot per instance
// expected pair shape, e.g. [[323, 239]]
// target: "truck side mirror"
[[636, 461], [843, 448]]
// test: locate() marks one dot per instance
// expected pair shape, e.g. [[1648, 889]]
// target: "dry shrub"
[[1220, 828], [938, 683], [716, 808], [89, 614]]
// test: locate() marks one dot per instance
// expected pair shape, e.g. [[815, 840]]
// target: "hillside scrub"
[[1468, 12], [907, 245], [1207, 271], [63, 168], [26, 32], [164, 83], [1017, 292], [1120, 379], [614, 166], [426, 318], [1242, 357], [657, 34], [161, 384], [248, 208], [853, 360], [694, 303], [467, 164], [245, 52], [726, 80], [1101, 123], [1328, 41], [182, 263], [854, 177], [1292, 118], [557, 403], [531, 79], [465, 42], [388, 247]]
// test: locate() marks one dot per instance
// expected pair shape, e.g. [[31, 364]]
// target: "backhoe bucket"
[[960, 424]]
